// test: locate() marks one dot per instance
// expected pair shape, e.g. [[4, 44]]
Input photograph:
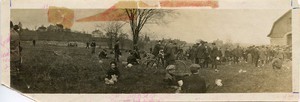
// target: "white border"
[[223, 4]]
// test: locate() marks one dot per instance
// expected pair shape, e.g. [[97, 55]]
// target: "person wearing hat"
[[194, 83], [173, 80], [157, 48], [15, 50]]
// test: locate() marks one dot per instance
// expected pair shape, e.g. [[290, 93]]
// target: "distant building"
[[55, 28], [98, 33], [281, 33], [42, 29]]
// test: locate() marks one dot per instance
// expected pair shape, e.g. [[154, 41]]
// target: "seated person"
[[112, 74], [277, 63], [103, 54], [131, 59], [136, 54], [173, 80], [194, 83]]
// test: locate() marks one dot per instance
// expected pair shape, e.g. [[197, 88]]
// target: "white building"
[[281, 33]]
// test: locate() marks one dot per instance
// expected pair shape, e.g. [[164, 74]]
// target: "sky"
[[250, 26]]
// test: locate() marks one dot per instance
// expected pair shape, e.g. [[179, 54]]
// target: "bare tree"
[[112, 30], [139, 17]]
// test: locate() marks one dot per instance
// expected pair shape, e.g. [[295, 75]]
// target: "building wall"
[[278, 41], [280, 30]]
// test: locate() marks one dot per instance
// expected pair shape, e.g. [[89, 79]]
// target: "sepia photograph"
[[130, 50]]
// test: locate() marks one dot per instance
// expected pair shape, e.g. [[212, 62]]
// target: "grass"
[[76, 70]]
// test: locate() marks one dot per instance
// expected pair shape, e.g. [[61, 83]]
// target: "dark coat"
[[156, 49], [111, 72], [200, 53], [117, 49], [194, 84], [170, 52], [93, 44], [132, 60], [216, 52]]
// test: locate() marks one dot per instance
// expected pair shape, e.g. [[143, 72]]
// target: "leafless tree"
[[112, 30], [139, 17]]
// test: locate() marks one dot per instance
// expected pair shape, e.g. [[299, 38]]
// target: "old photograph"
[[63, 50]]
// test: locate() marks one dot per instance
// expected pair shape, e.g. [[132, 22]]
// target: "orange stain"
[[117, 13], [61, 15], [189, 3]]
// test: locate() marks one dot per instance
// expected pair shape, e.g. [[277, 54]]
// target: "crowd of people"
[[258, 55], [203, 54]]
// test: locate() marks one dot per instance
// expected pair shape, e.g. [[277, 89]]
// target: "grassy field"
[[54, 69]]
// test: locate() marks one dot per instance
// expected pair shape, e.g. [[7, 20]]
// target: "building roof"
[[271, 34]]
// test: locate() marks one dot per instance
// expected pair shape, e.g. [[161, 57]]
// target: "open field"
[[56, 69]]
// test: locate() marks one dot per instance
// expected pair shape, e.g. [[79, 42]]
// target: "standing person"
[[215, 57], [93, 45], [170, 53], [157, 48], [187, 52], [207, 55], [245, 56], [117, 51], [223, 54], [136, 53], [193, 53], [235, 56], [201, 54], [87, 45], [262, 56], [249, 55], [194, 83], [227, 55], [15, 50], [33, 42], [256, 56], [237, 53]]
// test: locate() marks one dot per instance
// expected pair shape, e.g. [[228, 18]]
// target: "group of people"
[[92, 44], [203, 54], [181, 83]]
